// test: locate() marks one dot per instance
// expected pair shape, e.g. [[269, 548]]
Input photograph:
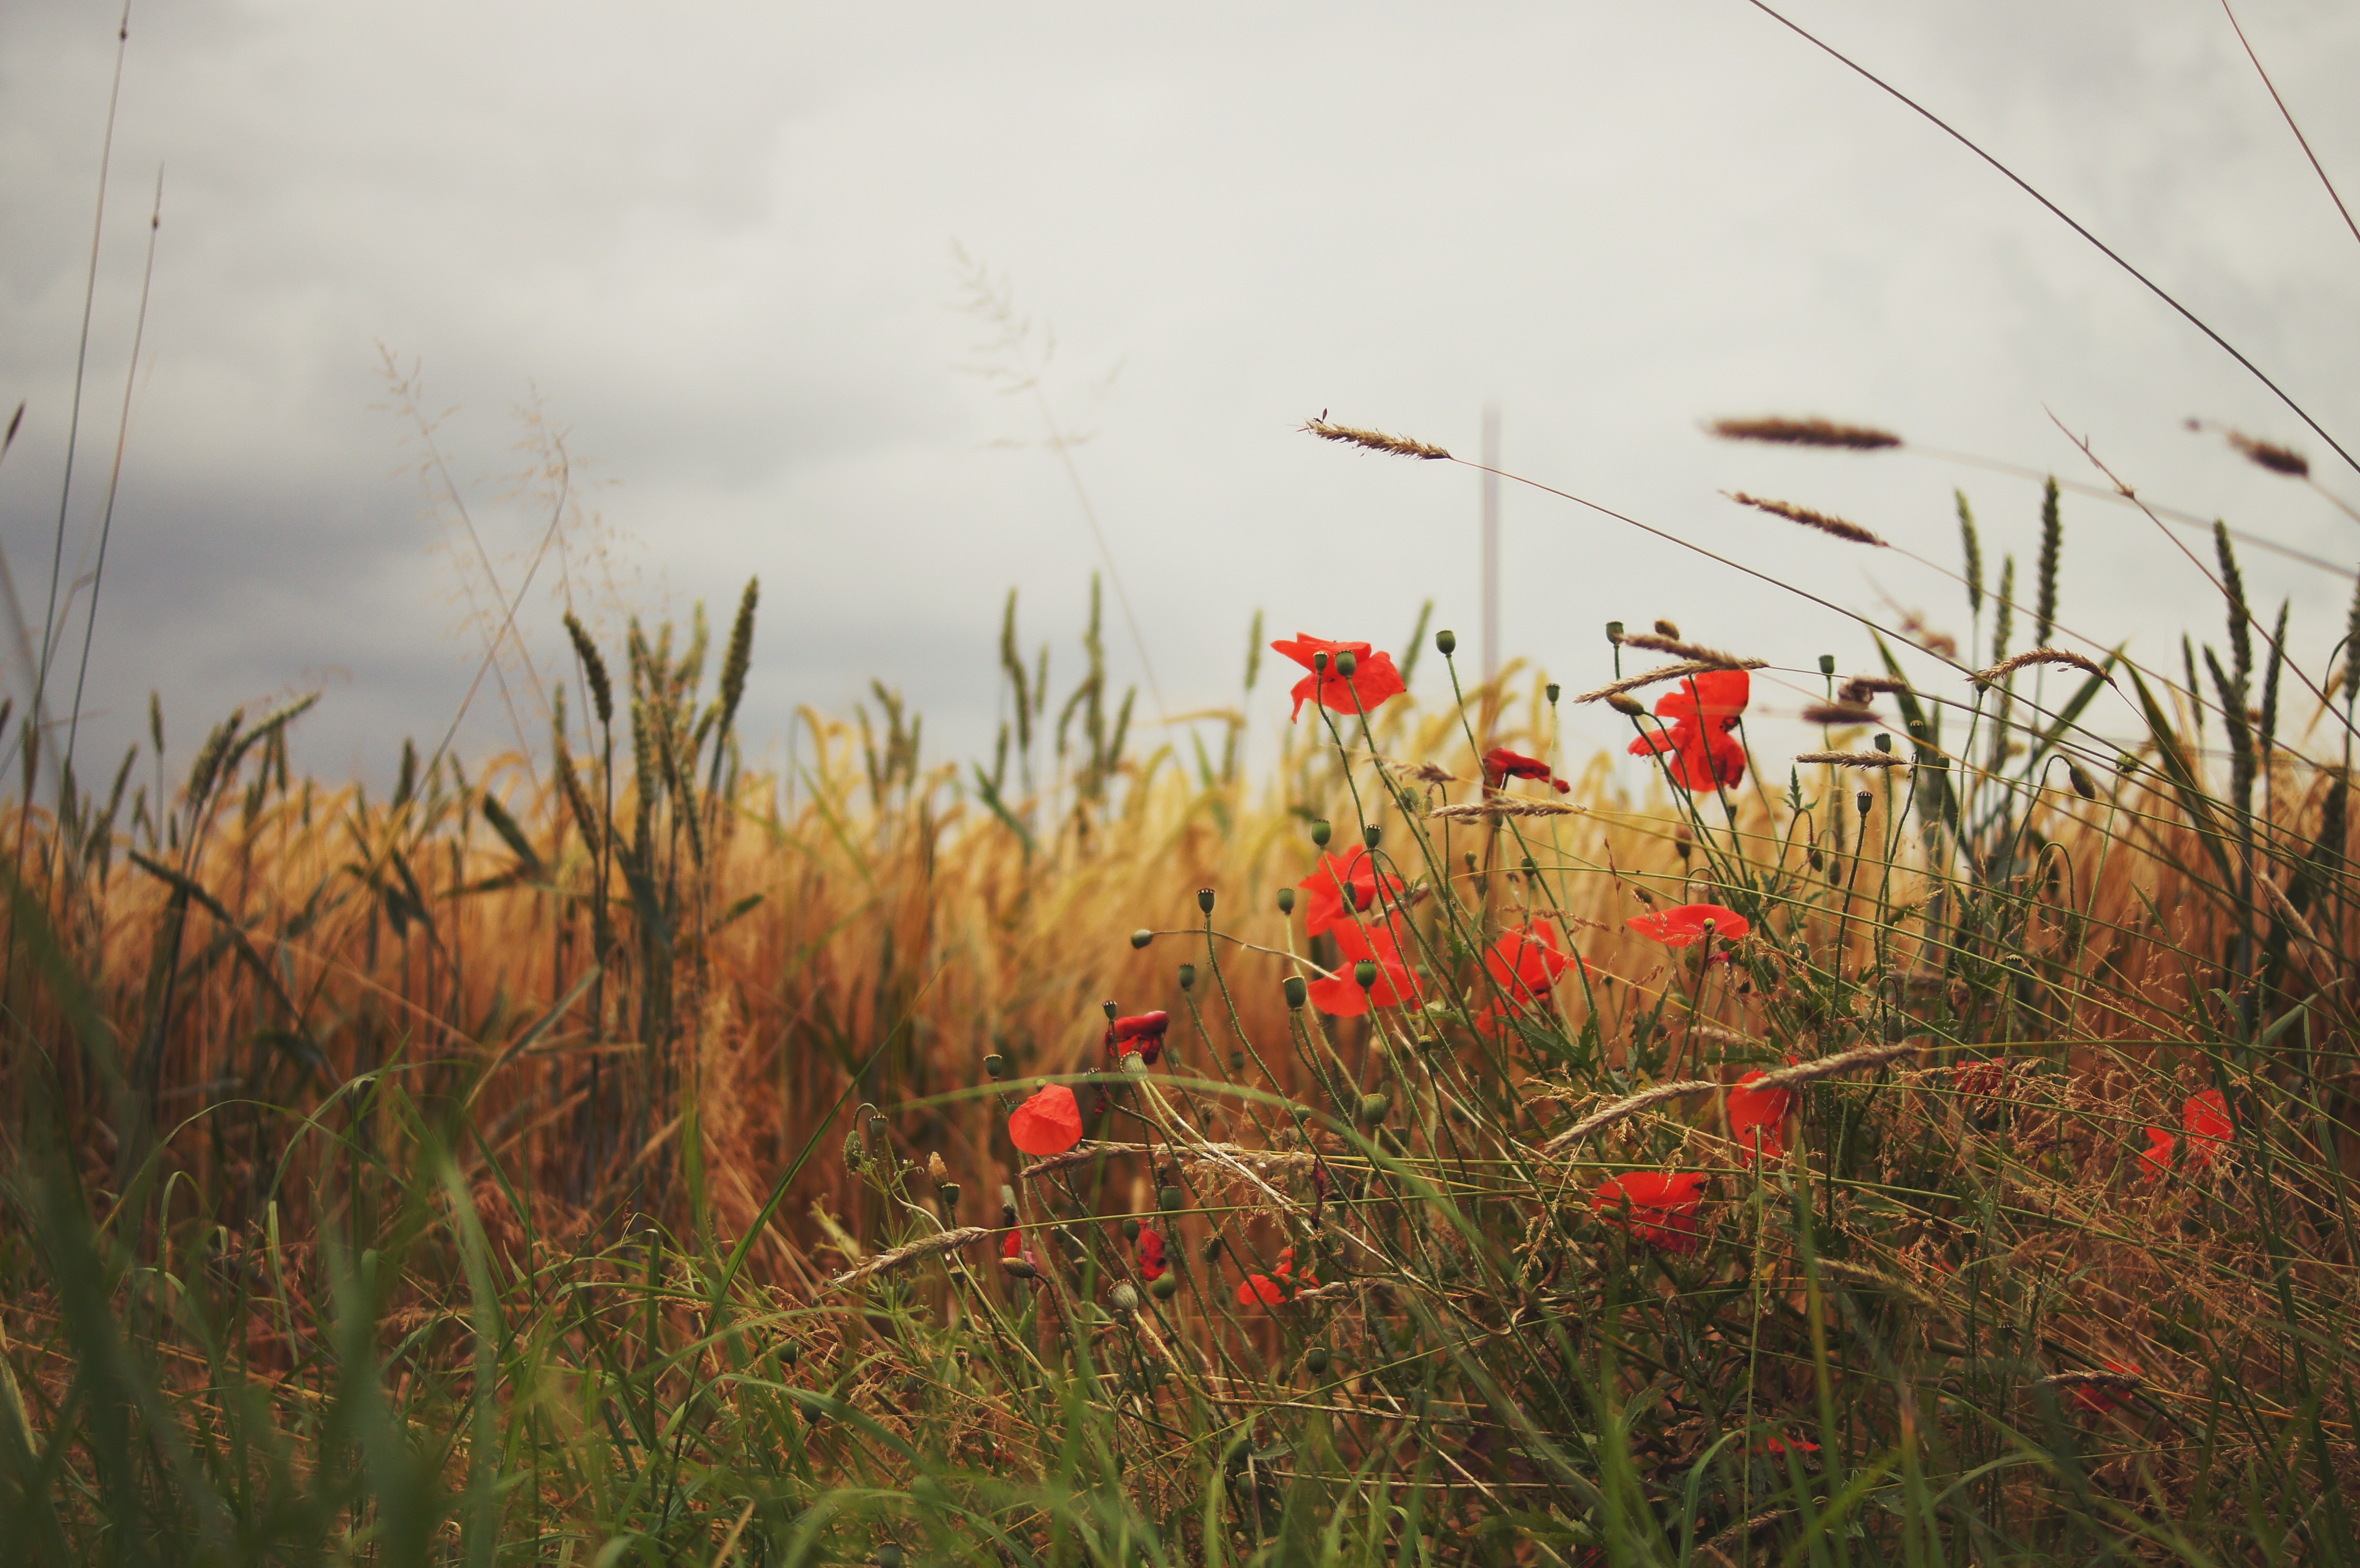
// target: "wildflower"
[[1278, 1287], [1150, 1254], [2205, 1128], [1680, 926], [1656, 1207], [1048, 1123], [1500, 764], [1143, 1032], [1757, 1117], [1015, 1259], [1379, 942], [1342, 885], [1372, 680], [1778, 1445], [1701, 713], [1524, 963]]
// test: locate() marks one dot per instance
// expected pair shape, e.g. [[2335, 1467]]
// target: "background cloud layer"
[[714, 248]]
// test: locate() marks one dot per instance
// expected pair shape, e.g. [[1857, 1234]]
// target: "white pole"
[[1491, 543]]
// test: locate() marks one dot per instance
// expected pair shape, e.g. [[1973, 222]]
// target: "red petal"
[[1048, 1123]]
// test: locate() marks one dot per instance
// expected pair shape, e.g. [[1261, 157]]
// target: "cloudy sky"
[[714, 248]]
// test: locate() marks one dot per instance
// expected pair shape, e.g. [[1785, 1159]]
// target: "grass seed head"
[[1777, 432]]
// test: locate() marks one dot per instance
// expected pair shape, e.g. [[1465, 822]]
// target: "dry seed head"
[[1838, 713], [1629, 706], [2271, 455], [1669, 642], [1852, 758], [1505, 806], [1374, 441], [2007, 666], [1804, 432], [1666, 629], [1667, 673], [1860, 688], [1809, 518]]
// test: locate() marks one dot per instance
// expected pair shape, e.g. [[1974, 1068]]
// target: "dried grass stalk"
[[1809, 518], [1624, 1108], [1505, 806], [2007, 666], [1678, 649], [1853, 759], [949, 1241], [1665, 672], [1375, 440], [1804, 432], [1829, 1066]]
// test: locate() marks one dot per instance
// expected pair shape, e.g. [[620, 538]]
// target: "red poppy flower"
[[1015, 1259], [2205, 1125], [1500, 764], [1757, 1117], [1781, 1445], [1524, 963], [1151, 1253], [1699, 715], [1278, 1287], [1048, 1123], [1656, 1207], [1679, 927], [1981, 1079], [1342, 885], [1143, 1032], [2097, 1399], [1374, 678], [1381, 941]]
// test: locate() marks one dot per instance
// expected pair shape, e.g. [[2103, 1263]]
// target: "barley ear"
[[593, 669]]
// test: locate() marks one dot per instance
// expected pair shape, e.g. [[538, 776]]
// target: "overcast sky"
[[714, 246]]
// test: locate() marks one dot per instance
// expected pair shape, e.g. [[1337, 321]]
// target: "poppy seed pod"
[[1347, 664], [1124, 1297], [1297, 990], [1827, 664], [1373, 1108], [1445, 642], [1554, 690], [1319, 661], [1286, 900], [790, 1353], [1169, 1199], [1131, 1230], [1205, 899], [995, 1066], [1321, 833], [1315, 1360], [1883, 743], [1141, 938], [1188, 977], [1371, 834], [1213, 1245], [948, 1191], [1165, 1286], [1237, 1061], [1864, 801], [1627, 705], [1614, 633], [1111, 1010]]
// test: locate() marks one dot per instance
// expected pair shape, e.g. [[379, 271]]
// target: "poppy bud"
[[1296, 992], [1321, 833], [2082, 784], [1141, 938], [1667, 628], [1553, 688], [1131, 1230], [1445, 642], [1188, 977], [854, 1154], [1169, 1200], [1373, 1108], [1614, 633], [790, 1353], [1165, 1286], [1827, 664], [1817, 860], [1124, 1297], [1371, 834], [1019, 1268], [1205, 899], [1624, 703], [1864, 801], [1315, 1360], [1531, 866], [1212, 1246], [1364, 974], [995, 1066], [1346, 662], [889, 1556], [1237, 1061], [1883, 743], [1286, 900]]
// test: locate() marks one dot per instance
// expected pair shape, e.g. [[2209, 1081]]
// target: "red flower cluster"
[[1500, 764], [1143, 1033], [1679, 927], [1048, 1123], [2205, 1128], [1152, 1266], [1278, 1287], [1658, 1208], [1373, 678], [1343, 886], [1524, 963], [1757, 1117], [1381, 941], [1701, 714]]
